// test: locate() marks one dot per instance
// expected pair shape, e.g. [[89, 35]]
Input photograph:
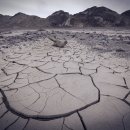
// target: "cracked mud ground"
[[43, 87]]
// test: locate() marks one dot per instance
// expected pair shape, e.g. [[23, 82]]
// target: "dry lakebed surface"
[[84, 85]]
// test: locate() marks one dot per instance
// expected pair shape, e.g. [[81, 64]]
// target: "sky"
[[44, 8]]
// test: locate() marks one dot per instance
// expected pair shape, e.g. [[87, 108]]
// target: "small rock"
[[58, 43]]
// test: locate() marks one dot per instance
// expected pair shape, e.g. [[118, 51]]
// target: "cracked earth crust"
[[43, 87]]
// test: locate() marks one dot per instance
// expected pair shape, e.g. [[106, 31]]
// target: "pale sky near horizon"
[[44, 8]]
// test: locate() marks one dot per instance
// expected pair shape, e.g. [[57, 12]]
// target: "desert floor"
[[83, 86]]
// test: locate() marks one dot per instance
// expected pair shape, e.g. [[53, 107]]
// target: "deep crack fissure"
[[82, 121]]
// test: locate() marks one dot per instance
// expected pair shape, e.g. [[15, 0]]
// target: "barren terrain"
[[82, 86]]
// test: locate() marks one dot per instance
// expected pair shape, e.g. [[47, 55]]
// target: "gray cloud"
[[44, 8]]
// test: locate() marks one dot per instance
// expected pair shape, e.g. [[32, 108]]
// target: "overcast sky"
[[43, 8]]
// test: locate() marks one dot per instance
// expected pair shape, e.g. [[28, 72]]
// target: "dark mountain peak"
[[126, 13], [60, 12], [97, 10], [95, 16], [21, 20], [104, 8], [92, 8], [19, 14], [58, 18], [125, 18]]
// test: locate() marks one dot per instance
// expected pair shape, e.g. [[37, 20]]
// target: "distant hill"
[[21, 20], [4, 19], [126, 13], [91, 17], [58, 18], [95, 17], [125, 18]]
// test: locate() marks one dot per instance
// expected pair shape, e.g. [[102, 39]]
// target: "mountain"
[[91, 17], [95, 16], [21, 20], [126, 13], [58, 18], [125, 18], [3, 19]]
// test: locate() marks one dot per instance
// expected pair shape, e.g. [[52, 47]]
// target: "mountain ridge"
[[91, 17]]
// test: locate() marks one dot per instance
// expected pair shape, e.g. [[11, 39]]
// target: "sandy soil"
[[83, 86]]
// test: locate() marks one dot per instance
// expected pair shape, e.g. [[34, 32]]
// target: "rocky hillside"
[[21, 20], [58, 18], [4, 19], [92, 17], [95, 16], [125, 18]]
